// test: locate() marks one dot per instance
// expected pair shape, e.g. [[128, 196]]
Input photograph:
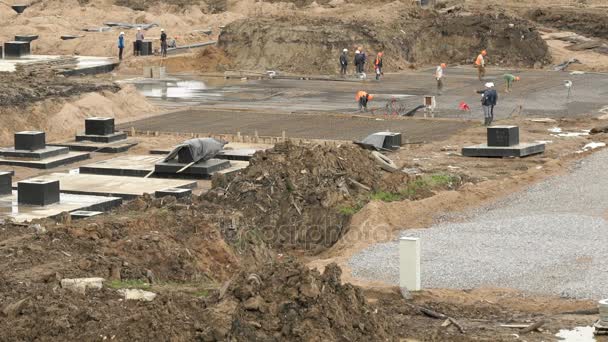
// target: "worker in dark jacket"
[[378, 65], [343, 62], [362, 98], [489, 98], [163, 43], [357, 61]]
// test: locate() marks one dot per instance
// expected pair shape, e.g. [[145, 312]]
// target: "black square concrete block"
[[38, 192], [16, 49], [146, 48], [503, 136], [6, 181], [30, 140], [99, 126], [175, 192]]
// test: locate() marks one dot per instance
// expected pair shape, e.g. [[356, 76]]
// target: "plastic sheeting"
[[196, 150]]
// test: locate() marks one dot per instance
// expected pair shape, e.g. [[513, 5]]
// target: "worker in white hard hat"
[[139, 38], [121, 45], [489, 97], [343, 62], [163, 43]]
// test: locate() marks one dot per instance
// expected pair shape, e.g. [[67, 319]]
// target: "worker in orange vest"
[[480, 63], [362, 98], [378, 65]]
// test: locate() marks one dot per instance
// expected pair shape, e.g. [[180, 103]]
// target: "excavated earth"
[[309, 45], [22, 89]]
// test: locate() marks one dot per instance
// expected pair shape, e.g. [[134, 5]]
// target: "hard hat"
[[122, 33], [443, 65], [162, 30], [345, 50], [357, 51], [484, 52], [517, 78], [139, 29], [380, 54], [489, 85]]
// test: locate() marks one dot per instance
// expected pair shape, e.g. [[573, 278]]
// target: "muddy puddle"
[[578, 334]]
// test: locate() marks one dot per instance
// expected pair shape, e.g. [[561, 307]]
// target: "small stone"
[[253, 303], [137, 294]]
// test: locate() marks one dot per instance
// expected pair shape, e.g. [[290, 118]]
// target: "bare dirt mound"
[[19, 89], [591, 23], [300, 196], [311, 45], [287, 301]]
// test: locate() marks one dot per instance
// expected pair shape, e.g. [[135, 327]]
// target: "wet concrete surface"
[[226, 106]]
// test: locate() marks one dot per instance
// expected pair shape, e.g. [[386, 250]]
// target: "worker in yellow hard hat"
[[509, 79], [480, 64]]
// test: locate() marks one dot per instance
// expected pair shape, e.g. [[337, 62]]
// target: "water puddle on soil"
[[578, 334]]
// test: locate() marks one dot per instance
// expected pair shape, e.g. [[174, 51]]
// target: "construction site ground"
[[218, 269]]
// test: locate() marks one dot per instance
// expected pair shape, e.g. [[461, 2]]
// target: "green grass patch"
[[386, 196], [129, 284], [204, 293]]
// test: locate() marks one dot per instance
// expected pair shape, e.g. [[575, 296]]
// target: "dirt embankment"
[[59, 105], [312, 45], [590, 23]]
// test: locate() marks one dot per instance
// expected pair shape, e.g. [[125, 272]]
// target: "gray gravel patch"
[[549, 239]]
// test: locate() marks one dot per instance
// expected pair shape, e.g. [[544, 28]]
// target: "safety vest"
[[479, 60]]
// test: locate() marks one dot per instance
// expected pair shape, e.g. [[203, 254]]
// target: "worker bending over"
[[509, 79], [362, 99]]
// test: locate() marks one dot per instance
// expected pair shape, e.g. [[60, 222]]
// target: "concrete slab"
[[90, 146], [48, 163], [244, 154], [9, 207], [118, 186], [43, 153], [199, 170], [519, 150], [175, 192], [108, 138], [81, 214], [133, 165]]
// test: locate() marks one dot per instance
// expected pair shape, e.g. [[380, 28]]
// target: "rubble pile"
[[287, 301], [291, 197]]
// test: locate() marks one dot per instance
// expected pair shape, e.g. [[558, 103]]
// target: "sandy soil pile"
[[297, 196], [311, 45], [59, 105], [288, 301]]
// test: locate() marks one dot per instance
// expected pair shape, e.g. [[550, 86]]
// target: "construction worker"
[[173, 43], [343, 62], [163, 43], [358, 62], [121, 45], [509, 79], [489, 98], [439, 75], [378, 65], [480, 64], [362, 98], [363, 60], [139, 38]]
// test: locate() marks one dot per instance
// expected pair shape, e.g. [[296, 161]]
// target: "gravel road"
[[550, 239]]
